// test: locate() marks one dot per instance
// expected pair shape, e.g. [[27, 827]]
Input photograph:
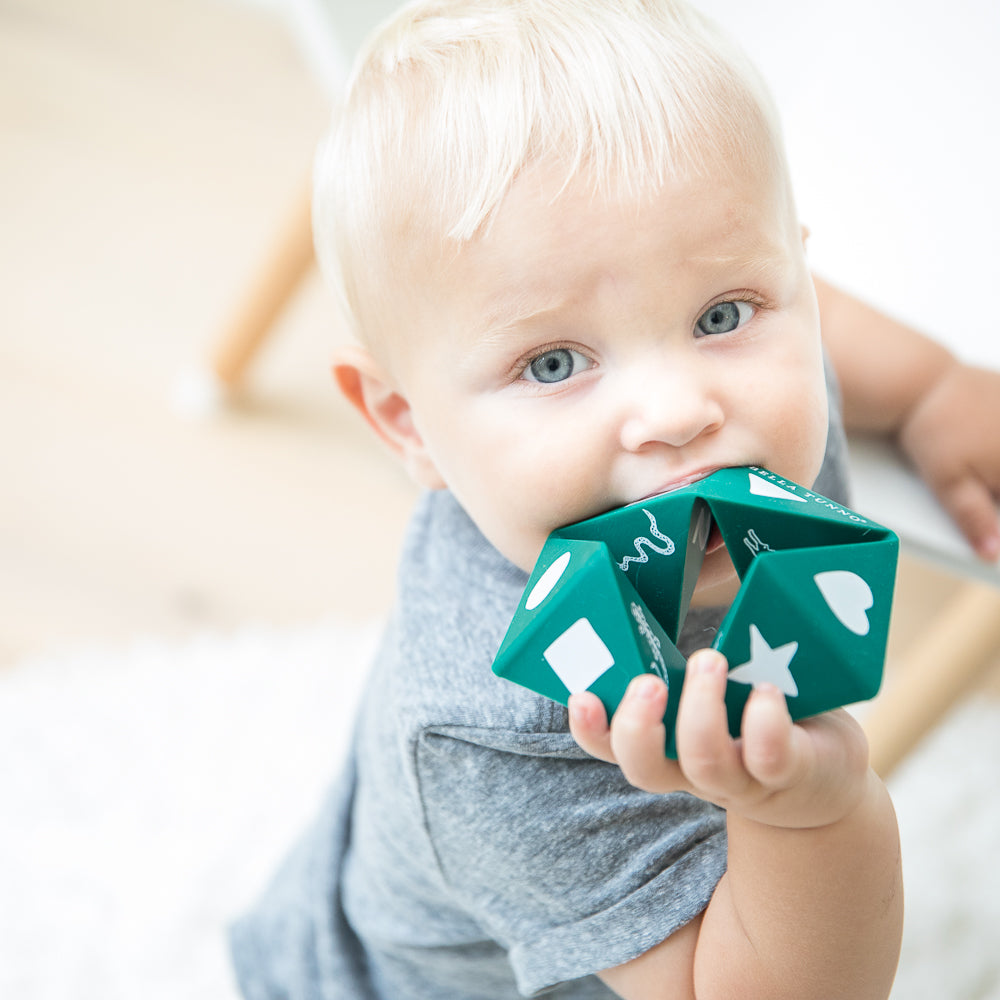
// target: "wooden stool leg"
[[270, 292], [945, 663]]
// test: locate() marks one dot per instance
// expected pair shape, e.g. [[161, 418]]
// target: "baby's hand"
[[951, 437], [779, 773]]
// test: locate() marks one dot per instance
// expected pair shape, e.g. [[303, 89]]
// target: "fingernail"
[[708, 662], [646, 687]]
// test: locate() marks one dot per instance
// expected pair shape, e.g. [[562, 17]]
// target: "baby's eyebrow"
[[509, 312], [764, 261]]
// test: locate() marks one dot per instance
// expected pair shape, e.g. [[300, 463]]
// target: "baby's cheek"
[[802, 433]]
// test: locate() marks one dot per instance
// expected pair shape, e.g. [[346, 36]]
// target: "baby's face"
[[588, 353]]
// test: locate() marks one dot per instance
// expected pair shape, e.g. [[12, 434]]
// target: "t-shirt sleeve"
[[559, 859]]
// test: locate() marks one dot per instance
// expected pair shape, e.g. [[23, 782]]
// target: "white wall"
[[890, 114]]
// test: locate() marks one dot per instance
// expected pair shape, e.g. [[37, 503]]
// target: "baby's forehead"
[[549, 195]]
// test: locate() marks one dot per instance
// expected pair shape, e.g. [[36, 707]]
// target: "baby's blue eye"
[[724, 317], [556, 365]]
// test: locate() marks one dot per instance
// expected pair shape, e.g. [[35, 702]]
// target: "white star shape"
[[767, 665]]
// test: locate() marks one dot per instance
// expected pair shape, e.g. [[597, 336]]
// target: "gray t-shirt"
[[471, 850]]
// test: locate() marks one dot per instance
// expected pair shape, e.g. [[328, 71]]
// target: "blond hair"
[[451, 99]]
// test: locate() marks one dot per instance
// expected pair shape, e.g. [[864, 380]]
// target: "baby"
[[565, 235]]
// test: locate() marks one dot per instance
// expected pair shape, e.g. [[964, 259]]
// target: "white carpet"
[[148, 792]]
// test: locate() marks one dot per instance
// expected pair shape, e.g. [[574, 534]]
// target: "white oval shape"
[[547, 582]]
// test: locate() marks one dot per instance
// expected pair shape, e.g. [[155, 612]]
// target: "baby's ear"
[[372, 392]]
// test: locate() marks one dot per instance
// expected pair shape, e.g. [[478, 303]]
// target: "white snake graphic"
[[643, 556]]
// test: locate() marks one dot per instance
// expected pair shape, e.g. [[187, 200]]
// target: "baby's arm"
[[811, 903], [942, 412]]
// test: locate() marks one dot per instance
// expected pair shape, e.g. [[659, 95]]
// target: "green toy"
[[608, 597]]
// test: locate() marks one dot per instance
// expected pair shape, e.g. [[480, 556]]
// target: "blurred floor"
[[151, 149]]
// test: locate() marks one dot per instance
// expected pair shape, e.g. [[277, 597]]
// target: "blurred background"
[[151, 152]]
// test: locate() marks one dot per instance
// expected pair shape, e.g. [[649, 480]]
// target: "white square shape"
[[579, 656]]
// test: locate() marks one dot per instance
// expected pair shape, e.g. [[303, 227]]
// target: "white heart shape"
[[849, 598]]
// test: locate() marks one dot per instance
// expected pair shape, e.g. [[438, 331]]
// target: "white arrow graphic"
[[764, 488]]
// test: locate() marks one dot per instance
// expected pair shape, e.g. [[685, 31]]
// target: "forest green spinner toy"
[[608, 597]]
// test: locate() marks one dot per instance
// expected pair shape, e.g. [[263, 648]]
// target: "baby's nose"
[[669, 408]]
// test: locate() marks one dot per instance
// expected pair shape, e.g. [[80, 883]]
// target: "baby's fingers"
[[588, 724], [708, 755], [638, 737], [775, 751], [972, 506]]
